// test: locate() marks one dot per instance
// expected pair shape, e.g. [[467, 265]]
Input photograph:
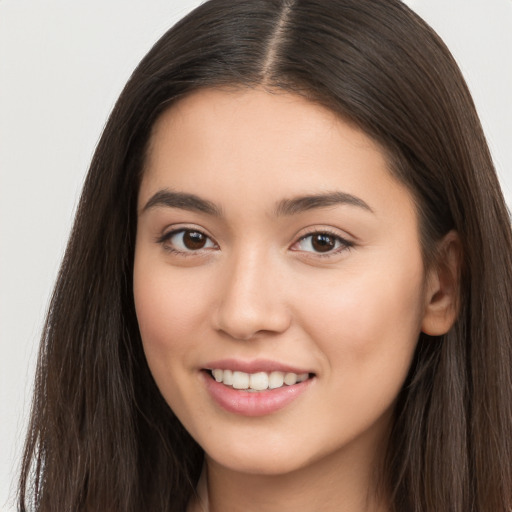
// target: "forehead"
[[259, 145]]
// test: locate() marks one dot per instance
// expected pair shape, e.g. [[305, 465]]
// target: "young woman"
[[288, 285]]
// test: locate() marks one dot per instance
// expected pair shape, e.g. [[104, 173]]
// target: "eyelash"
[[165, 238], [344, 244]]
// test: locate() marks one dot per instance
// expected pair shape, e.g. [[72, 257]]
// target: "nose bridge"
[[251, 300]]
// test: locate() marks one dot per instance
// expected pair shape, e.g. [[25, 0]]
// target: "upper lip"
[[254, 366]]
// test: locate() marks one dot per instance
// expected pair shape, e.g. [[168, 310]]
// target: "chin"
[[256, 464], [271, 456]]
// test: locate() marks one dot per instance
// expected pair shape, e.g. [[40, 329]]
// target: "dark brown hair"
[[101, 437]]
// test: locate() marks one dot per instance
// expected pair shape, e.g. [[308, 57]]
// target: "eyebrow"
[[191, 202], [310, 202], [285, 207]]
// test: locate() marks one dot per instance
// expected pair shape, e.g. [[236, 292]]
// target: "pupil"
[[323, 243], [194, 240]]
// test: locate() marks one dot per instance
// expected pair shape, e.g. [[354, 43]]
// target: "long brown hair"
[[101, 437]]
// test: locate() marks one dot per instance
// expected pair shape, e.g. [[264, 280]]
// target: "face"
[[279, 283]]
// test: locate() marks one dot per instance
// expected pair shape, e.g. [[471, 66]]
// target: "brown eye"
[[322, 242], [194, 240], [186, 241]]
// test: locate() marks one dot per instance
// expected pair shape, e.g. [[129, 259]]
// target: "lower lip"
[[257, 403]]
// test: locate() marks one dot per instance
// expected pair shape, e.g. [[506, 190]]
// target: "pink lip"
[[258, 403], [254, 366]]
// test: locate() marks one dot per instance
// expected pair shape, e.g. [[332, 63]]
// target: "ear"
[[443, 287]]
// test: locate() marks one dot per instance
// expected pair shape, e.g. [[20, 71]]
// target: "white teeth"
[[228, 377], [240, 380], [259, 381], [275, 380], [290, 379]]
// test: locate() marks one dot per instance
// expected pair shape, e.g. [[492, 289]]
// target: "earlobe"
[[443, 287]]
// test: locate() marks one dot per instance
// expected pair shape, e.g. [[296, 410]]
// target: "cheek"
[[370, 321], [167, 310], [170, 327], [157, 311]]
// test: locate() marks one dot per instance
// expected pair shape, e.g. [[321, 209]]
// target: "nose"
[[251, 301]]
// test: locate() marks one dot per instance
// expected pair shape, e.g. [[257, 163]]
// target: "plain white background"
[[62, 66]]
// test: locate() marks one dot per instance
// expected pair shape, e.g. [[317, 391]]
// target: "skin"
[[259, 289]]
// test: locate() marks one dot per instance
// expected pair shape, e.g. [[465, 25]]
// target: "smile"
[[259, 381], [255, 392]]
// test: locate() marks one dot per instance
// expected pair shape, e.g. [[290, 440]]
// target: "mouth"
[[258, 381]]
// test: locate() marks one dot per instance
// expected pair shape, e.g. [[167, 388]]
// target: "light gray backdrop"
[[62, 65]]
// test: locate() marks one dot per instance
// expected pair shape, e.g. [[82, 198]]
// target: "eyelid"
[[176, 228], [346, 243], [169, 233]]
